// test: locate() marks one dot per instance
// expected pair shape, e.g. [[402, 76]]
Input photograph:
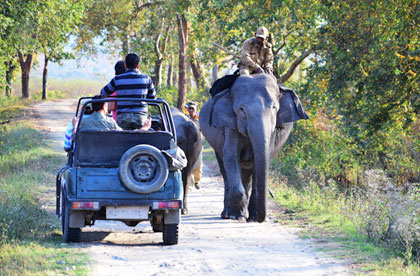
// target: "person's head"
[[192, 109], [119, 67], [132, 61], [261, 34], [98, 106]]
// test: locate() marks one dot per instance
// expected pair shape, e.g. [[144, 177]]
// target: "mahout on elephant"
[[190, 141], [247, 125]]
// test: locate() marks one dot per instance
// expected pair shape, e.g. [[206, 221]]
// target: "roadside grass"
[[41, 258], [30, 235], [325, 217]]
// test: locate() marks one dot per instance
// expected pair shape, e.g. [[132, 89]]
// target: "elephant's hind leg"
[[224, 214]]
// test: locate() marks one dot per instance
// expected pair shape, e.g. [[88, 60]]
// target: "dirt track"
[[208, 245]]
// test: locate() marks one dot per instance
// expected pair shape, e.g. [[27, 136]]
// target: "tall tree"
[[59, 22], [182, 58], [22, 34]]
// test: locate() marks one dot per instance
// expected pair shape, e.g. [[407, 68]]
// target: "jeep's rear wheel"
[[69, 234], [143, 169], [170, 234], [157, 224]]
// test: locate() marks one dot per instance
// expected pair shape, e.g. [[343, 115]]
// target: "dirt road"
[[208, 245]]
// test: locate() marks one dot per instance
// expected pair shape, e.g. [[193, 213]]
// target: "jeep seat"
[[105, 148]]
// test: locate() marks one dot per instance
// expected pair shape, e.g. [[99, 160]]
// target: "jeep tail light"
[[85, 205], [166, 205]]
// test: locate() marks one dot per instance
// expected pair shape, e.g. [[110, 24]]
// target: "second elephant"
[[190, 141]]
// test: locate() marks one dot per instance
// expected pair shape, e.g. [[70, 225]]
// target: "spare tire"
[[143, 169]]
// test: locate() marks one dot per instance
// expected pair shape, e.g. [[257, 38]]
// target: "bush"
[[388, 214]]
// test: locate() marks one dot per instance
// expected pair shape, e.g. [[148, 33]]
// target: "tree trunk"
[[126, 41], [10, 67], [157, 75], [188, 77], [160, 49], [174, 77], [170, 72], [182, 38], [215, 72], [44, 78], [198, 75], [25, 67]]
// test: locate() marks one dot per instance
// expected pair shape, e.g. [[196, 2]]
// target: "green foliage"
[[318, 149], [367, 67]]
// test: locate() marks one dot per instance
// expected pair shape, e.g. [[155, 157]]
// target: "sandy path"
[[208, 245]]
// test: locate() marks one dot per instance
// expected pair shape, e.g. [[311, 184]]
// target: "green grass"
[[323, 216], [30, 234]]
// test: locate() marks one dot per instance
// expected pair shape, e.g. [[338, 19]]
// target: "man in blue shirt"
[[131, 115]]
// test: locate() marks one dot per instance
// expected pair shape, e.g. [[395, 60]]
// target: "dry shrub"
[[387, 213]]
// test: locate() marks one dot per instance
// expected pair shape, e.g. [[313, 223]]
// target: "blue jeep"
[[129, 176]]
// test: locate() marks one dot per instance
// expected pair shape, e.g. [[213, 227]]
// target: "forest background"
[[354, 64]]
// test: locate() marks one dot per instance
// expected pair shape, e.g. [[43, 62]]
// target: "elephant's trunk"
[[260, 140]]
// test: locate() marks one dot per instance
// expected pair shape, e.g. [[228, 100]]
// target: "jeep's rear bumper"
[[95, 204]]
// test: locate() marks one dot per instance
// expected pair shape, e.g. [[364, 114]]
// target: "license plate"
[[127, 212]]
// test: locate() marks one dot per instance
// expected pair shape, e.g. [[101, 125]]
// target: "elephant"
[[190, 141], [246, 126]]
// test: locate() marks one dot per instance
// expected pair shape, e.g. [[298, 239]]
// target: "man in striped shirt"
[[131, 115]]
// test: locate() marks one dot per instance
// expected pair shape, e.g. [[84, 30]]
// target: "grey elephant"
[[247, 125], [190, 141]]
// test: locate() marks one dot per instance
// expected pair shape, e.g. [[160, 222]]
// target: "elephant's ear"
[[222, 114], [291, 109]]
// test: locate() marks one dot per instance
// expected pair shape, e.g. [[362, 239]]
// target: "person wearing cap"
[[192, 111], [196, 170], [256, 54]]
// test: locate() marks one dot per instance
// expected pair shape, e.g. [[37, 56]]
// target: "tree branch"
[[226, 50], [295, 64]]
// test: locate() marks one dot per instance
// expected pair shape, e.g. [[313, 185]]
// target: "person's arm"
[[112, 105], [68, 137], [109, 88], [246, 56], [151, 92], [269, 59]]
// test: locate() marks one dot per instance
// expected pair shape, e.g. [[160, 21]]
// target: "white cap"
[[262, 32]]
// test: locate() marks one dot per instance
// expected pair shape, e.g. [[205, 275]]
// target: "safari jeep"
[[129, 176]]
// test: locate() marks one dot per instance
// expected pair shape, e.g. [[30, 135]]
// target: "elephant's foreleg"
[[252, 206], [237, 201], [246, 175]]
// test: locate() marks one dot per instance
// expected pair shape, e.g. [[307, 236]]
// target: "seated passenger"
[[131, 115], [71, 129], [98, 120]]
